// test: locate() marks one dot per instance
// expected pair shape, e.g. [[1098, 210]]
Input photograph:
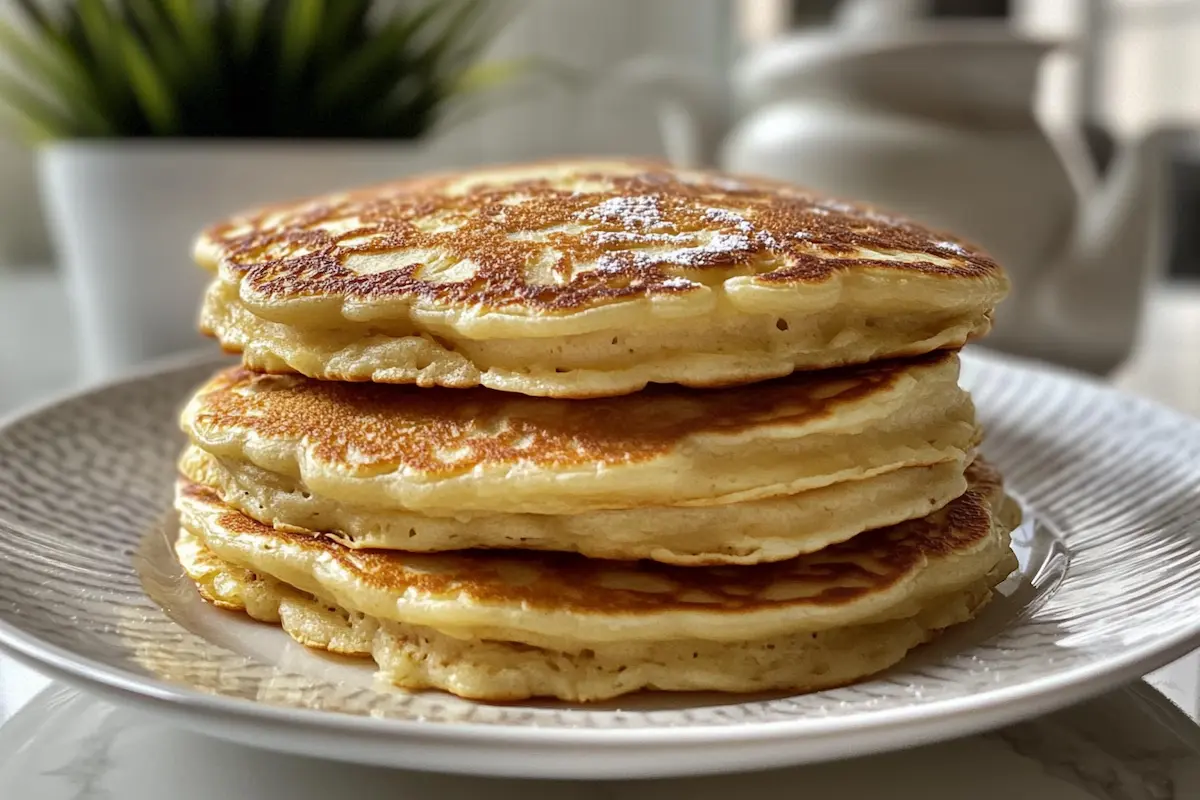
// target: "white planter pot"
[[123, 216], [24, 241]]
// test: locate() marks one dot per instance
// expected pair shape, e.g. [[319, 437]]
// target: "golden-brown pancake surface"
[[453, 452], [581, 278], [752, 532], [496, 625], [419, 657], [612, 217], [532, 596]]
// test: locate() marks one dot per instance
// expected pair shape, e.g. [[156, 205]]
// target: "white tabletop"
[[1059, 756], [1127, 745]]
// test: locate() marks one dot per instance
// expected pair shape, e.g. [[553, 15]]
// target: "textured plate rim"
[[1057, 691], [914, 724]]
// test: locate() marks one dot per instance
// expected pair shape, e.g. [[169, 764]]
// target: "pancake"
[[422, 658], [753, 532], [512, 625], [585, 279], [458, 453]]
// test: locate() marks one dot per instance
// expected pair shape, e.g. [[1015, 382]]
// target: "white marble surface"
[[1127, 745]]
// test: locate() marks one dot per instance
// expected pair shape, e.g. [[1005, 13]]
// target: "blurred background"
[[1059, 134]]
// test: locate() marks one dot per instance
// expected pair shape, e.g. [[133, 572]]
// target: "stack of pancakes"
[[584, 428]]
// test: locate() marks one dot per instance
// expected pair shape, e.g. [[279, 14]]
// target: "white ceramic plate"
[[1109, 588]]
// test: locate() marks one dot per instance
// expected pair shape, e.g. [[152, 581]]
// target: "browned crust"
[[368, 427], [287, 253], [867, 564]]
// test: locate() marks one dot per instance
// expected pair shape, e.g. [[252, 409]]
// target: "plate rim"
[[882, 731]]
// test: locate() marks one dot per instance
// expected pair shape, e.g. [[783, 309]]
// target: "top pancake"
[[585, 278]]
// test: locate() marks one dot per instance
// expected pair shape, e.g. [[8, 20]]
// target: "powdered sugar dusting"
[[697, 255], [608, 263], [721, 244], [629, 237], [679, 283], [645, 233], [638, 211], [724, 215], [953, 247], [638, 215], [725, 243], [647, 240], [727, 217]]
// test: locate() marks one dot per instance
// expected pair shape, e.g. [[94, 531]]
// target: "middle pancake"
[[742, 475]]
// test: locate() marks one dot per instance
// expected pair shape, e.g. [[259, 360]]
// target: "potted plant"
[[155, 117]]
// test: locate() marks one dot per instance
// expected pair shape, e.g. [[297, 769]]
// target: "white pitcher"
[[936, 121]]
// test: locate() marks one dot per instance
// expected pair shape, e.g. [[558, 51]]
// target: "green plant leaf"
[[56, 68], [337, 31], [161, 37], [100, 26], [195, 33], [301, 25], [256, 68], [152, 93], [35, 15], [40, 63], [37, 112], [390, 43], [457, 31], [18, 126], [426, 34], [55, 78], [100, 31], [247, 19]]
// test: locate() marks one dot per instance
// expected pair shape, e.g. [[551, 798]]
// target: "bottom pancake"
[[417, 657], [500, 625]]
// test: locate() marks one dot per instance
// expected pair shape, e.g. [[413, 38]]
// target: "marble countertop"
[[1127, 745]]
